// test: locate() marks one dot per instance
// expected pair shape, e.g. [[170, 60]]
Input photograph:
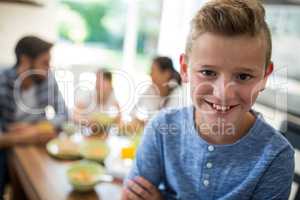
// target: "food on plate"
[[84, 175], [45, 127], [63, 148], [102, 119], [94, 149], [69, 128]]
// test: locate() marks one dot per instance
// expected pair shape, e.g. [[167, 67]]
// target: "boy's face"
[[226, 75]]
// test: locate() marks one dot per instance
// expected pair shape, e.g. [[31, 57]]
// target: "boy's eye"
[[208, 72], [244, 77]]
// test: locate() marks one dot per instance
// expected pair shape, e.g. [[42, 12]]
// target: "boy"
[[219, 148]]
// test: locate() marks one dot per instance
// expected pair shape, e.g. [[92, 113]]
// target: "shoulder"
[[169, 115], [272, 140], [163, 128], [5, 74], [7, 77], [151, 90], [170, 120]]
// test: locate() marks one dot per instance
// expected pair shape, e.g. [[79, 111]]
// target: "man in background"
[[27, 91]]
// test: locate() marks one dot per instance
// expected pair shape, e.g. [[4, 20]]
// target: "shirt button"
[[206, 182], [211, 148], [209, 165]]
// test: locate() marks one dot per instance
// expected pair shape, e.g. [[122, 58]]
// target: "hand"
[[18, 126], [141, 189], [31, 135]]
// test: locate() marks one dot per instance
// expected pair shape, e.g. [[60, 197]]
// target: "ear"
[[183, 68], [24, 62], [268, 72]]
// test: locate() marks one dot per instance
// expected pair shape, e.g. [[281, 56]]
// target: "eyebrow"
[[245, 69]]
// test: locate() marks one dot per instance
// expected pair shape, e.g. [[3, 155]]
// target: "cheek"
[[154, 76], [248, 94], [200, 88]]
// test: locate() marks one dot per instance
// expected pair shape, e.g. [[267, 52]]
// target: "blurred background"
[[125, 35], [120, 34]]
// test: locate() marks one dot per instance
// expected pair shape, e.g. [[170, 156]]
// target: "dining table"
[[35, 175]]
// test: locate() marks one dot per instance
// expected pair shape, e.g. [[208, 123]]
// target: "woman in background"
[[164, 92]]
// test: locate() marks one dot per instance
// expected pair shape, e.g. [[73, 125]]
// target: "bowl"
[[63, 148], [69, 128], [102, 119], [84, 175], [94, 149]]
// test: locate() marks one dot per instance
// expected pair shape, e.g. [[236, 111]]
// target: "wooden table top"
[[43, 177]]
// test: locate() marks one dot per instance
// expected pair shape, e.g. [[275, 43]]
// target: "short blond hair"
[[231, 18]]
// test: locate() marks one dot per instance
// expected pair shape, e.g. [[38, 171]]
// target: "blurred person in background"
[[164, 92], [26, 91], [103, 100]]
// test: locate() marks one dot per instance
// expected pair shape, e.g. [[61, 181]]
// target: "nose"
[[224, 89]]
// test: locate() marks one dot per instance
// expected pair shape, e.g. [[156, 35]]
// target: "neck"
[[163, 90], [225, 134]]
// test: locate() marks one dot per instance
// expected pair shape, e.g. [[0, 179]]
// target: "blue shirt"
[[259, 166], [46, 93]]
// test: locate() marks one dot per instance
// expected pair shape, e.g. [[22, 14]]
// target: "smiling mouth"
[[221, 108]]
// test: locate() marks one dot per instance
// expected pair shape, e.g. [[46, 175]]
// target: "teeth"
[[221, 108]]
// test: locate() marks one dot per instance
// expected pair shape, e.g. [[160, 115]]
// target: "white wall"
[[17, 20], [174, 27]]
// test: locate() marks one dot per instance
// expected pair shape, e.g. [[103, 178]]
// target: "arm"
[[57, 102], [147, 171], [277, 180], [7, 141], [118, 117], [148, 162], [78, 115], [29, 136], [25, 133]]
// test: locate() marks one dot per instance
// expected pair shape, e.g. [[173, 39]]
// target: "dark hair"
[[32, 47], [106, 74], [166, 64]]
